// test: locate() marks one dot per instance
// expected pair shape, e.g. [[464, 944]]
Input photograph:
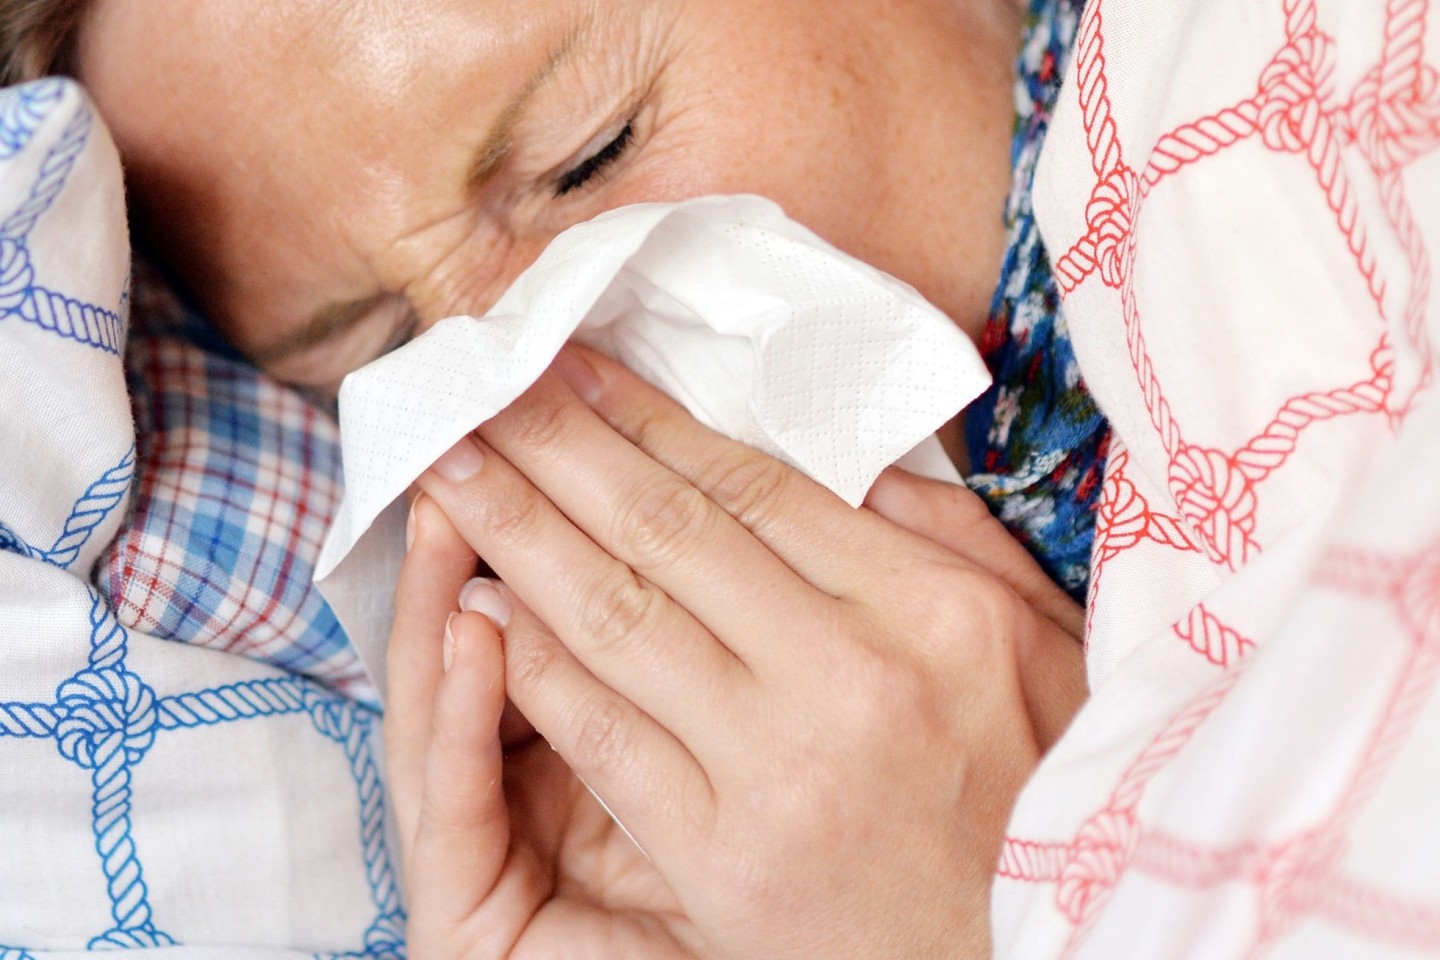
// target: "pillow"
[[152, 793]]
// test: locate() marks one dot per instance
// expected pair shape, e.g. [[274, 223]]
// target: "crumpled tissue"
[[762, 330]]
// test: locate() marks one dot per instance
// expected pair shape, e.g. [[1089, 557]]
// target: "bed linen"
[[154, 795], [1242, 202]]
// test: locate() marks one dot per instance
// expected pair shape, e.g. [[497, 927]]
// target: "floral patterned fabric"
[[1035, 438]]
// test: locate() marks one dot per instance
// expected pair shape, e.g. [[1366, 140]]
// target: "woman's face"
[[329, 175]]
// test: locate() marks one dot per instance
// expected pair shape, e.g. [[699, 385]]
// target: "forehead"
[[351, 40], [250, 123], [250, 75]]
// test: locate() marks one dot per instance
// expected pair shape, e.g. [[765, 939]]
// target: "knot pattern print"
[[1242, 200]]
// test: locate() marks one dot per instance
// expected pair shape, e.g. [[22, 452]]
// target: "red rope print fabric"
[[1247, 195]]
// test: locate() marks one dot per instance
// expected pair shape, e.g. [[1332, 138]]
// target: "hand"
[[505, 853], [811, 719]]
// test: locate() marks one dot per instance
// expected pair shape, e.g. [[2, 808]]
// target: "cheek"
[[812, 165], [824, 176], [770, 101], [322, 367]]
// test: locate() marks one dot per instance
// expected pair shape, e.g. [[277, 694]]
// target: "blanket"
[[1242, 200]]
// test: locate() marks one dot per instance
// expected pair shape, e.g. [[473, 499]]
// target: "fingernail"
[[447, 651], [580, 376], [410, 528], [483, 596], [460, 462]]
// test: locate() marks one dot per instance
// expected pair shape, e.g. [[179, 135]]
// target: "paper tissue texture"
[[761, 329]]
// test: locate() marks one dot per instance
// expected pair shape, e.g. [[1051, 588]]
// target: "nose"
[[477, 280]]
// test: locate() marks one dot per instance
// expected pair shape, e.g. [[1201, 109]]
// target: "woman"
[[812, 720]]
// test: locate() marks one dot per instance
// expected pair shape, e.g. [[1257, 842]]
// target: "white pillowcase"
[[151, 793]]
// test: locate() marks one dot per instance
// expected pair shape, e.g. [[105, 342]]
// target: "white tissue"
[[760, 328]]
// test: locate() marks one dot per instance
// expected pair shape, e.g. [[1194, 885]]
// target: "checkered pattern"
[[237, 481]]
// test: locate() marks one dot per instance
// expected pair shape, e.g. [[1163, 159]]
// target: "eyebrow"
[[498, 144], [327, 322]]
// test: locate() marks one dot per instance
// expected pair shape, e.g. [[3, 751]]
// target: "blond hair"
[[37, 37]]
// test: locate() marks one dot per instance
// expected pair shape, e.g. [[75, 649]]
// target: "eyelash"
[[593, 166]]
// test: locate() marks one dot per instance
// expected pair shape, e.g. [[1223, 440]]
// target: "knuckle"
[[905, 679], [527, 664], [875, 682], [965, 510], [960, 608], [619, 613], [511, 516], [602, 735], [883, 684], [748, 486], [665, 519], [539, 424], [982, 627], [650, 431]]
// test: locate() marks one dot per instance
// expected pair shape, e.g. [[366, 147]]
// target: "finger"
[[624, 629], [653, 786], [1054, 684], [812, 531], [955, 518], [480, 596], [462, 831], [437, 564], [649, 518]]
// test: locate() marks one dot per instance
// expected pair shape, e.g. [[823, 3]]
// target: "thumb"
[[462, 836], [955, 518], [1053, 669]]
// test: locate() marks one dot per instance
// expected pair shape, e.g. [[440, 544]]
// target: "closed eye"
[[594, 165]]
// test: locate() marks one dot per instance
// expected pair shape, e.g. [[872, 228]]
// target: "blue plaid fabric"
[[238, 478]]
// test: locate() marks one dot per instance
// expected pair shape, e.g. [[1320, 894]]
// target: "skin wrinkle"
[[335, 319]]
